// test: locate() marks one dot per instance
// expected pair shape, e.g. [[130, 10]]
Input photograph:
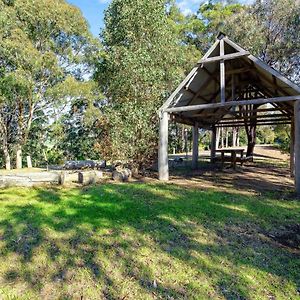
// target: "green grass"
[[145, 241]]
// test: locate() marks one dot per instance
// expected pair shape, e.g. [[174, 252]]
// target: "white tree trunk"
[[222, 137], [195, 146], [226, 138], [234, 136], [218, 133]]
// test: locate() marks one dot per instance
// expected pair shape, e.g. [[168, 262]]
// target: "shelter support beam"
[[297, 146], [163, 159], [213, 145], [292, 149], [222, 72], [224, 56], [233, 103], [195, 146]]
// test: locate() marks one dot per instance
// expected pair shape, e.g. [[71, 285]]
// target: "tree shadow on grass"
[[103, 231]]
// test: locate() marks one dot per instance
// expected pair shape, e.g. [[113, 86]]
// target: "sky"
[[93, 10]]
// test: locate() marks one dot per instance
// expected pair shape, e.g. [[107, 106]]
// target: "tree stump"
[[122, 175], [87, 178]]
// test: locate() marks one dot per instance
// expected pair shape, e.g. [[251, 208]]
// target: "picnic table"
[[234, 152]]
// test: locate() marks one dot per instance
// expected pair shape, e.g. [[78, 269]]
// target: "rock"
[[122, 175]]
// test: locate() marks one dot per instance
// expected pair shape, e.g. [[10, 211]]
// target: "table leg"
[[222, 160], [233, 159], [242, 156]]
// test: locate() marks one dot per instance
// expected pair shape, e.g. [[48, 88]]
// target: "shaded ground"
[[268, 173], [209, 235]]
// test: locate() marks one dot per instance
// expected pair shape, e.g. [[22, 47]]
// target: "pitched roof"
[[246, 78]]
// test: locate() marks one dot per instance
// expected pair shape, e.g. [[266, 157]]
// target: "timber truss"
[[229, 87]]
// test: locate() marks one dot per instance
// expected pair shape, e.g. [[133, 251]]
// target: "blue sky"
[[93, 10]]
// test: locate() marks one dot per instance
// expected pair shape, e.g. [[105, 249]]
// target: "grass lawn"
[[146, 241]]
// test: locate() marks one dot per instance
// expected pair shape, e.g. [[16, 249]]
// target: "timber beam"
[[287, 122], [224, 57], [233, 103]]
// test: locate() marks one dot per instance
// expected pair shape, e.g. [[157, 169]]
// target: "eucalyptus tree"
[[271, 30], [140, 65], [42, 44]]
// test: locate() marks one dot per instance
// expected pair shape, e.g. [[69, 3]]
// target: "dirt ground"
[[268, 173]]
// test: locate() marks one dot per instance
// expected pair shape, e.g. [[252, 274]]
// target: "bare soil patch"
[[268, 173]]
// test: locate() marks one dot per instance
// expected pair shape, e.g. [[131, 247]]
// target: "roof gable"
[[245, 78]]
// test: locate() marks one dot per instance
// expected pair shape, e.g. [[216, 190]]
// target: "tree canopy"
[[72, 96], [45, 48]]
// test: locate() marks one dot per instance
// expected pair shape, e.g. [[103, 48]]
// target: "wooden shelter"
[[229, 87]]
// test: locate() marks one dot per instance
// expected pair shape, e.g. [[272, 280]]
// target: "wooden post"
[[195, 146], [213, 144], [297, 145], [29, 163], [163, 160], [7, 160], [292, 150], [19, 158], [222, 72]]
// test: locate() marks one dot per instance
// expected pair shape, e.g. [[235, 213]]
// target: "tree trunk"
[[234, 136], [182, 140], [251, 132], [6, 151], [222, 137], [6, 157], [3, 130], [238, 137], [226, 139], [218, 137], [251, 144]]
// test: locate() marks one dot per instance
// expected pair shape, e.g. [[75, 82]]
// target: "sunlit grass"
[[145, 241]]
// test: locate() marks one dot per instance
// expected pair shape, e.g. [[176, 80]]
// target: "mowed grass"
[[145, 241]]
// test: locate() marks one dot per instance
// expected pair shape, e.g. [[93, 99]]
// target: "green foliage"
[[265, 135], [46, 49], [49, 104], [283, 136], [141, 63], [271, 30]]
